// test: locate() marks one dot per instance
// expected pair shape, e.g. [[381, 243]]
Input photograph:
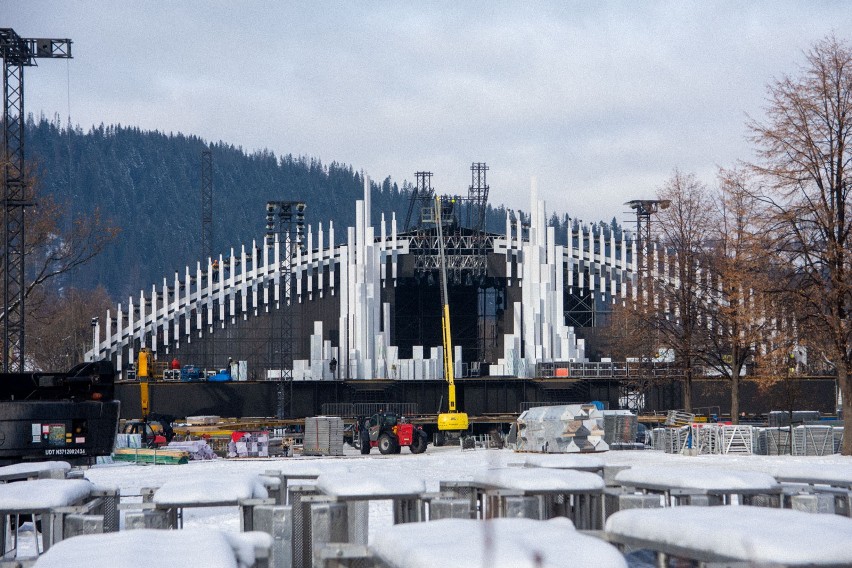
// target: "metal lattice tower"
[[17, 53], [286, 221], [644, 208], [421, 198], [206, 205], [477, 196]]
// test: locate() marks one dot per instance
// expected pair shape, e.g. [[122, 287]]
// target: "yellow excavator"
[[452, 420]]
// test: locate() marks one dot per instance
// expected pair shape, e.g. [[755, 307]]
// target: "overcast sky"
[[600, 101]]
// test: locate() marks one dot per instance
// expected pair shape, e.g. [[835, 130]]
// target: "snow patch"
[[700, 478], [497, 543], [162, 548], [214, 488], [39, 494], [540, 479], [754, 534]]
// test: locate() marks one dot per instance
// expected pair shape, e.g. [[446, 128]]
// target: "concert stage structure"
[[323, 316]]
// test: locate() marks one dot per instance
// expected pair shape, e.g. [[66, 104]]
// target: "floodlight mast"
[[644, 208], [17, 53]]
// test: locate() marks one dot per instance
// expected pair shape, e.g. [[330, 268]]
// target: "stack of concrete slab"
[[562, 429], [323, 436]]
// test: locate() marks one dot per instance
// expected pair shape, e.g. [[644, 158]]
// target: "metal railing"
[[613, 370], [348, 409]]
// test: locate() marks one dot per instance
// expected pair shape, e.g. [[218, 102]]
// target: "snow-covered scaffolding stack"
[[562, 429]]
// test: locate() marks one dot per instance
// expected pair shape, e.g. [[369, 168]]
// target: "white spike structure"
[[353, 274]]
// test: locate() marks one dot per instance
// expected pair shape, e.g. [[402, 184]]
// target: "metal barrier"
[[348, 409], [609, 370]]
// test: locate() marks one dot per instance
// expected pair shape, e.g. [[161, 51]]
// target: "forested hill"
[[149, 184]]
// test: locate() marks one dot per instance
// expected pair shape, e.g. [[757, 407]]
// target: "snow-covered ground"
[[437, 464]]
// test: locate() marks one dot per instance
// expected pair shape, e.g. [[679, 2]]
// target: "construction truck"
[[67, 416], [390, 433], [452, 420]]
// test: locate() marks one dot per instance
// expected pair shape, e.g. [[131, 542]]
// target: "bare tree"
[[55, 249], [737, 310], [803, 146], [60, 333], [678, 291]]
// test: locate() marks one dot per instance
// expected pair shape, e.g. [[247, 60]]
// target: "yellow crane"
[[452, 419]]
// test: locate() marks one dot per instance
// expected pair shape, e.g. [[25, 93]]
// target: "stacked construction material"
[[146, 455], [249, 445], [669, 440], [197, 449], [128, 440], [620, 429], [562, 429], [783, 418], [777, 441], [323, 436], [813, 440], [737, 439]]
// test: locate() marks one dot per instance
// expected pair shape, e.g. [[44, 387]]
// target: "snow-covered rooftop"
[[701, 478], [498, 543], [40, 494], [755, 534]]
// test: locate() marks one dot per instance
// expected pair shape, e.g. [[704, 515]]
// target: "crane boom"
[[17, 52], [453, 419]]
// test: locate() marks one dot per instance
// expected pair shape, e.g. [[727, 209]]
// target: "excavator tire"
[[418, 446], [364, 438], [387, 444]]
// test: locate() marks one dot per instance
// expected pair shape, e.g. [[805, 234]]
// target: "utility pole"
[[17, 53], [206, 205], [208, 349]]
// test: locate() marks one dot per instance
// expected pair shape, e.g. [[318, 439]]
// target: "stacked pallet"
[[323, 436]]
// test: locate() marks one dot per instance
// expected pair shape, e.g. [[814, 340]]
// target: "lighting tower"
[[644, 208], [286, 219], [477, 195], [421, 197], [17, 53]]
